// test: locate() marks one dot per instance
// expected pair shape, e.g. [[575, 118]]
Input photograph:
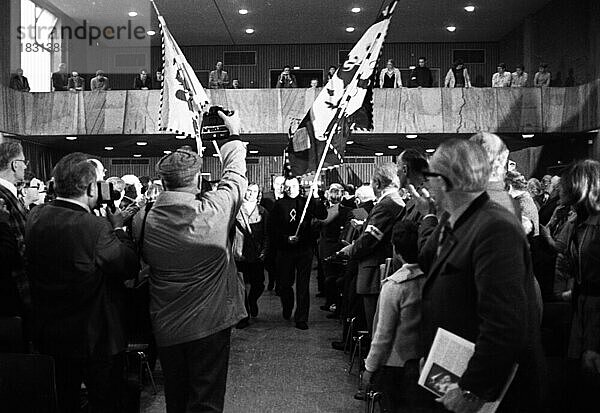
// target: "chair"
[[11, 335], [27, 383], [357, 352]]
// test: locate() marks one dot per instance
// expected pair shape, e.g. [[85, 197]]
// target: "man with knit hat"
[[196, 293]]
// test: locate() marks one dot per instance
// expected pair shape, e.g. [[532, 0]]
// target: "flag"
[[182, 98], [344, 103]]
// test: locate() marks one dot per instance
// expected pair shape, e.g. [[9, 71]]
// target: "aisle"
[[275, 367]]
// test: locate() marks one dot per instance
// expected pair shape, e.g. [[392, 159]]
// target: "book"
[[446, 363]]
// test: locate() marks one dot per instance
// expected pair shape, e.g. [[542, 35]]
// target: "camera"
[[107, 195], [213, 127]]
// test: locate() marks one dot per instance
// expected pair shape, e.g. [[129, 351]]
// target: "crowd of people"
[[461, 241], [390, 76]]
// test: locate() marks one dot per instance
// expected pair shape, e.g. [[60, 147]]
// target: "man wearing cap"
[[196, 293]]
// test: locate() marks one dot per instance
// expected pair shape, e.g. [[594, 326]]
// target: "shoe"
[[338, 345], [253, 309], [320, 295], [301, 325], [242, 324]]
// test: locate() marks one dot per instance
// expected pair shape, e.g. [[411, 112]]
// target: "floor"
[[275, 367]]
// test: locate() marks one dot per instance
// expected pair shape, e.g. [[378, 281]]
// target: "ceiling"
[[125, 146], [217, 22]]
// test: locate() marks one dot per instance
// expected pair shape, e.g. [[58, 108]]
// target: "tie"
[[446, 230]]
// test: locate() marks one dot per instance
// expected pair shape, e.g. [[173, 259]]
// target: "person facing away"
[[390, 76], [542, 77], [196, 293], [286, 79], [99, 82], [294, 242], [218, 78], [480, 283], [421, 76], [77, 263], [19, 82], [60, 79], [143, 81], [458, 75], [519, 77], [502, 77], [393, 360]]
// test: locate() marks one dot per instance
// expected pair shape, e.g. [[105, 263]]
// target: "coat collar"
[[61, 203]]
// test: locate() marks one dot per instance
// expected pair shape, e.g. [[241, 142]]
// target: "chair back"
[[11, 335], [27, 383]]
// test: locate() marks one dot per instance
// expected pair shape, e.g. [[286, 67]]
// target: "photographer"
[[286, 79], [76, 264], [196, 293]]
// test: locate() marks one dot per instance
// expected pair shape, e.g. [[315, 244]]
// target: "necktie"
[[445, 231]]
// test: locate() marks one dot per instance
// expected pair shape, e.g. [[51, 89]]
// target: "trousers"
[[294, 266], [196, 373]]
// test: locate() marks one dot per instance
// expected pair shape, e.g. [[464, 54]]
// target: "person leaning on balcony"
[[143, 81], [76, 82], [519, 77], [100, 82], [458, 75], [218, 78], [60, 79], [542, 77], [390, 77], [501, 78]]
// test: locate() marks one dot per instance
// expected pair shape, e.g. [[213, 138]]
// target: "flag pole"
[[340, 113]]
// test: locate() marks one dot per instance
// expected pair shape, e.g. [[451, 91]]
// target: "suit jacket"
[[12, 265], [60, 81], [481, 287], [77, 264], [19, 83], [138, 83], [374, 244]]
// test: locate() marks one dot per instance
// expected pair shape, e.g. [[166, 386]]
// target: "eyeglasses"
[[25, 161]]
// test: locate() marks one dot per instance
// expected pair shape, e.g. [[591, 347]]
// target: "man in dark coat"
[[374, 245], [19, 82], [77, 263], [60, 79], [480, 284], [15, 298], [143, 81], [421, 76], [294, 252]]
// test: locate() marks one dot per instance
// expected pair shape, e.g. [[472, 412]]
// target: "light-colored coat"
[[450, 81]]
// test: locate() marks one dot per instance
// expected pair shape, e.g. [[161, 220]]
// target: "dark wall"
[[562, 34], [5, 42], [321, 56]]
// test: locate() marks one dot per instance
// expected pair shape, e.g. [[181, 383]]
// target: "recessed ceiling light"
[[350, 29], [150, 32], [180, 137], [166, 152], [296, 67], [355, 10], [592, 131], [349, 142], [470, 9], [254, 152], [413, 67], [430, 150], [451, 28], [249, 30], [392, 146], [71, 138], [528, 135], [378, 153], [108, 148], [411, 136], [243, 11], [137, 155], [141, 143], [132, 13]]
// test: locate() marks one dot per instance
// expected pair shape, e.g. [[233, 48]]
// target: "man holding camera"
[[196, 293], [286, 78], [77, 263]]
